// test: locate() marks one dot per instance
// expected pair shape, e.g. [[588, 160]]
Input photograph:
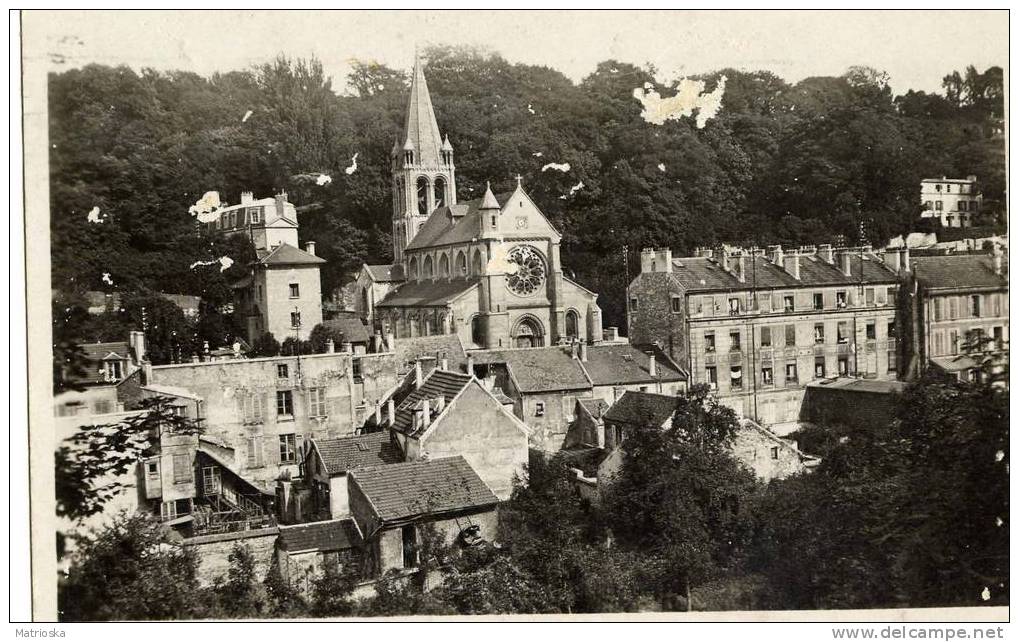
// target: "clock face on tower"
[[527, 271]]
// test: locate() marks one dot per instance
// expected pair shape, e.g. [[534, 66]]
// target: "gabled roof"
[[333, 535], [595, 407], [459, 223], [347, 453], [427, 293], [286, 254], [438, 346], [702, 274], [538, 369], [620, 364], [350, 326], [959, 271], [641, 408], [385, 273], [436, 384], [586, 458], [420, 488]]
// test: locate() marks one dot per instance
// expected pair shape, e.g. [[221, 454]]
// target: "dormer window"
[[255, 215], [113, 370]]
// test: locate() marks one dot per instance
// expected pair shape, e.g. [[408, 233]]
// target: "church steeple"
[[422, 165]]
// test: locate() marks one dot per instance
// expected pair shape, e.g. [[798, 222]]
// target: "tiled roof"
[[286, 254], [411, 489], [622, 363], [385, 273], [538, 369], [702, 274], [439, 346], [596, 407], [586, 458], [347, 453], [641, 408], [959, 271], [459, 223], [94, 355], [859, 385], [350, 326], [427, 293], [438, 383], [955, 363], [334, 535]]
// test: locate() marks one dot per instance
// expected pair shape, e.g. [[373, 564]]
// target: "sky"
[[916, 48]]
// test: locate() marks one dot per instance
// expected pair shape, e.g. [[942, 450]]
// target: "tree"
[[130, 570], [240, 593], [265, 345], [320, 335], [331, 593]]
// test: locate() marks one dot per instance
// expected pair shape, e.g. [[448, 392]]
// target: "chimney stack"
[[330, 345], [583, 351], [997, 261], [426, 413], [470, 364], [246, 198], [137, 339], [741, 268], [652, 366], [146, 372], [892, 259], [309, 247], [775, 254], [826, 253], [445, 364], [378, 414], [846, 262], [792, 264], [281, 200], [391, 411], [418, 379]]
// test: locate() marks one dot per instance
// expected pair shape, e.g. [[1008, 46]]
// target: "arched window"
[[461, 264], [528, 333], [440, 192], [477, 331], [413, 269], [476, 264], [572, 325], [422, 196], [427, 270], [444, 266]]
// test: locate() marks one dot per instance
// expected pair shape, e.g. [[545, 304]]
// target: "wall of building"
[[947, 318], [476, 426], [93, 400], [389, 541], [275, 282], [767, 458], [654, 319], [836, 408], [214, 551], [301, 569]]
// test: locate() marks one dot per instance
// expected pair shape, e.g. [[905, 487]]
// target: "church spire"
[[421, 131]]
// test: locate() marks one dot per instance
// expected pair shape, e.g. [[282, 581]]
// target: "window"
[[996, 302], [819, 367], [677, 304], [102, 407], [818, 301], [790, 335], [790, 373], [113, 370], [789, 303], [539, 409], [317, 401], [893, 294], [439, 192], [295, 291], [736, 378], [891, 330], [938, 205], [355, 368], [422, 185], [495, 220], [295, 319], [953, 307], [953, 341], [765, 337], [841, 299], [617, 432], [733, 306], [711, 377], [288, 449], [410, 546], [774, 452], [152, 469], [633, 304], [939, 343], [870, 296], [573, 324], [282, 371], [818, 333], [843, 332], [973, 206], [182, 473], [734, 342], [962, 206], [255, 214], [893, 364], [211, 480], [767, 376], [709, 342], [927, 205], [974, 306], [254, 452], [999, 337], [948, 189], [939, 310], [284, 403], [871, 330], [843, 366], [477, 331]]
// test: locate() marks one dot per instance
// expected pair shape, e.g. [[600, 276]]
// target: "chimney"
[[440, 404], [725, 259], [892, 259], [846, 262], [470, 364], [583, 351], [612, 333], [574, 350], [137, 339], [205, 347], [741, 268], [663, 260], [246, 198], [971, 178], [426, 413], [391, 411], [146, 372], [647, 260], [330, 345], [445, 364], [997, 261], [652, 366], [826, 253], [792, 264], [281, 201], [378, 414], [775, 254], [195, 359], [418, 379], [309, 247]]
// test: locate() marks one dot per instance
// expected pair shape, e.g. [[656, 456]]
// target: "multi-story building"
[[958, 300], [953, 201], [756, 325], [268, 222]]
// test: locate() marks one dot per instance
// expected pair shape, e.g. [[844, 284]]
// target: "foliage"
[[331, 593], [240, 594], [265, 346], [321, 334]]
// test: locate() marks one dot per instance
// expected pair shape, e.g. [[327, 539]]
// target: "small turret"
[[488, 202]]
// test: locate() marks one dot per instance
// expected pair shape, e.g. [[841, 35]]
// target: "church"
[[487, 270]]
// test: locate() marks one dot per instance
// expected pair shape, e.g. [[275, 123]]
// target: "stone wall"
[[214, 550], [654, 320]]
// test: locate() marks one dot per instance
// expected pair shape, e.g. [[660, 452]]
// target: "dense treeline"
[[913, 514], [825, 158]]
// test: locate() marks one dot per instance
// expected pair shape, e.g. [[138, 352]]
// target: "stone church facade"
[[487, 270]]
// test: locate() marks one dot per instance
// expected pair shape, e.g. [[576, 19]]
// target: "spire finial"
[[519, 178]]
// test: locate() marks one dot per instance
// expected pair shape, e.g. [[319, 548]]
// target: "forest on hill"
[[825, 159]]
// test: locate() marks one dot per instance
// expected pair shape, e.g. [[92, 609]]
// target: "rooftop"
[[538, 369], [350, 326], [438, 346], [959, 271], [333, 535], [641, 408], [437, 383], [413, 489], [385, 273], [286, 254], [458, 223], [622, 363], [704, 274], [342, 454], [428, 293], [859, 385], [596, 407]]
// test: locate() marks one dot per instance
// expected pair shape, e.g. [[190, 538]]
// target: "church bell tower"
[[422, 166]]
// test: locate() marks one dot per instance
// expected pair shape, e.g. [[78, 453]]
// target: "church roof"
[[421, 131], [385, 273], [428, 293], [459, 223]]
